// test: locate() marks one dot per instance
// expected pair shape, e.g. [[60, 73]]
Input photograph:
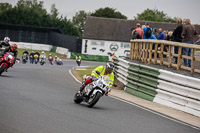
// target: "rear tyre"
[[2, 68], [94, 99], [78, 98]]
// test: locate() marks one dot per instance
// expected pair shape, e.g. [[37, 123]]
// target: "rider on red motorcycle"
[[13, 49], [50, 58]]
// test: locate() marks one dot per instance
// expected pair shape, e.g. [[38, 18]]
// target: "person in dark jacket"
[[177, 36], [188, 36]]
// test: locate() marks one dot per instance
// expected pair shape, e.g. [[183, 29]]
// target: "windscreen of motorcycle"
[[106, 79]]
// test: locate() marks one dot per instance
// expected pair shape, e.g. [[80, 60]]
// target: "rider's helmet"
[[6, 39], [56, 56], [13, 47], [109, 67], [50, 54], [42, 52]]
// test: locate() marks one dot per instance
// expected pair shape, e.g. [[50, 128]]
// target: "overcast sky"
[[130, 8]]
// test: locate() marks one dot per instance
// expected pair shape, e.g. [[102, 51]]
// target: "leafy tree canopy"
[[32, 13], [108, 13], [154, 15], [79, 19]]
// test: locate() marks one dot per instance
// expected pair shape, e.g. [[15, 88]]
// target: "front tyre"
[[94, 99], [78, 98], [2, 68]]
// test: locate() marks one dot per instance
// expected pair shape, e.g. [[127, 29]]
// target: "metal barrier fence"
[[164, 87], [149, 51]]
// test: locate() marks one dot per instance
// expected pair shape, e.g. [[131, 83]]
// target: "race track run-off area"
[[39, 99]]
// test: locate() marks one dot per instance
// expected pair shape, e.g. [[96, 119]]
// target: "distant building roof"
[[118, 29]]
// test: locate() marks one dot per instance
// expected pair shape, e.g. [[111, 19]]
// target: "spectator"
[[165, 33], [155, 33], [188, 35], [162, 37], [135, 34], [169, 36], [147, 31], [161, 34], [177, 35], [139, 30], [143, 26]]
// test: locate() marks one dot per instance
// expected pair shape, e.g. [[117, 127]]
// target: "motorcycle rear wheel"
[[94, 99], [2, 68]]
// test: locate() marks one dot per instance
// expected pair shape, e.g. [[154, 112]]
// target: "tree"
[[5, 6], [154, 15], [108, 13], [79, 19], [54, 11], [32, 13]]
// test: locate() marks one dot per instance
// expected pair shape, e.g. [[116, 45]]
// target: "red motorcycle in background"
[[6, 61], [51, 60]]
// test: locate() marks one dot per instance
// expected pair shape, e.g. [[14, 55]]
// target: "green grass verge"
[[85, 72], [20, 51]]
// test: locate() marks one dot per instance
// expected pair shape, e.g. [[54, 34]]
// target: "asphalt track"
[[39, 99]]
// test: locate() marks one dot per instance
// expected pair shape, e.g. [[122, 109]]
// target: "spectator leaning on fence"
[[139, 30], [188, 35], [155, 33], [177, 35], [161, 34], [147, 31]]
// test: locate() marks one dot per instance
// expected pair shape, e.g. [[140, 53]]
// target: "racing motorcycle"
[[6, 61], [78, 61], [24, 58], [58, 62], [42, 60], [50, 60], [93, 91]]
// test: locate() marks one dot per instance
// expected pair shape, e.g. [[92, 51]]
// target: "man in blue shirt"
[[161, 34], [147, 31]]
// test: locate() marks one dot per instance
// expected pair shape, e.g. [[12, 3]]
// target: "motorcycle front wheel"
[[78, 98], [2, 68], [41, 63], [94, 99]]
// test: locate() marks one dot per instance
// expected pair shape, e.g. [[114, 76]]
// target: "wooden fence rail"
[[152, 51]]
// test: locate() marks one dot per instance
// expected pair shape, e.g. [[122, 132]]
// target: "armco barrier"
[[142, 80], [33, 46], [44, 47], [62, 50], [167, 88]]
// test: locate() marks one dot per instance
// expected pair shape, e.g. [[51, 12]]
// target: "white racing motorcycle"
[[42, 60], [93, 91]]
